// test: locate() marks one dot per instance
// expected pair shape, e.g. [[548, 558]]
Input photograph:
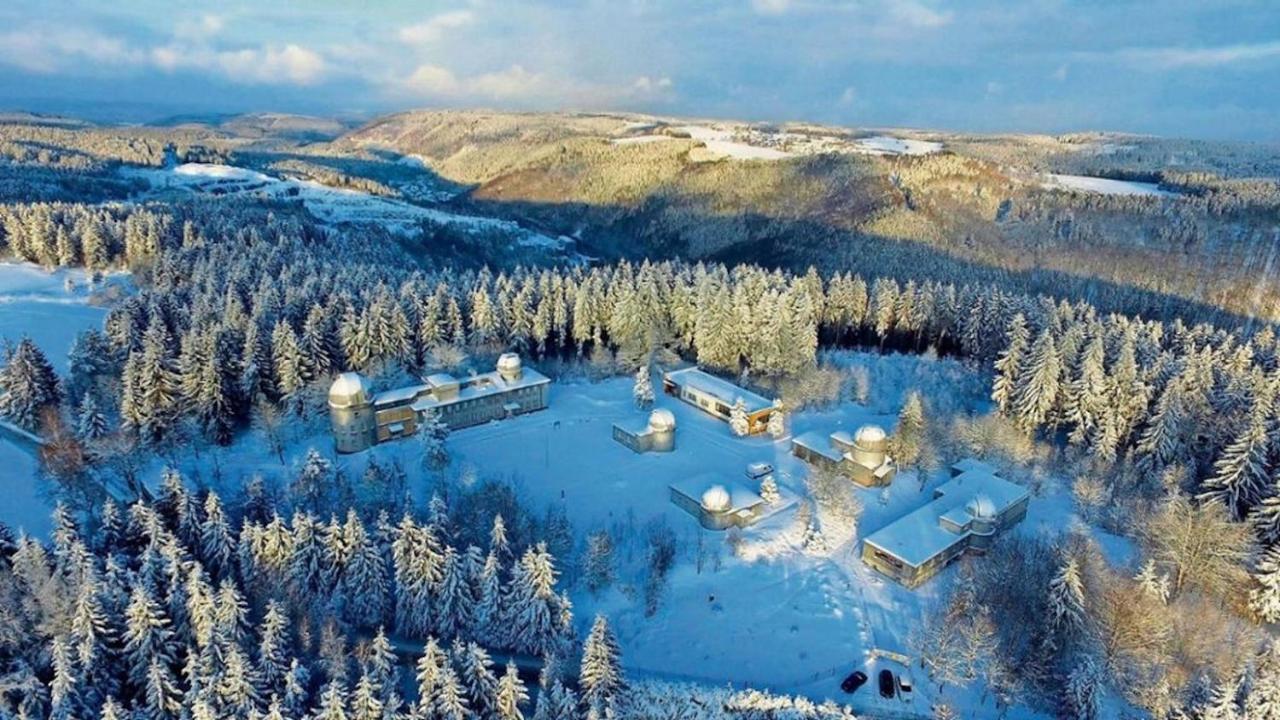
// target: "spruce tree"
[[600, 676]]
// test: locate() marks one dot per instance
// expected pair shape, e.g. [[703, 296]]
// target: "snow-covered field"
[[889, 145], [335, 206], [36, 303], [721, 143], [1103, 186]]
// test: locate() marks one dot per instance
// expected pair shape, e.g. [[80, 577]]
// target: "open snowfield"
[[1104, 186], [889, 145], [720, 143], [335, 206], [36, 303]]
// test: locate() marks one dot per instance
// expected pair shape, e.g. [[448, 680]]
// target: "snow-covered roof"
[[482, 385], [695, 488], [819, 443], [870, 434], [920, 535], [349, 385], [971, 465], [662, 420], [719, 388]]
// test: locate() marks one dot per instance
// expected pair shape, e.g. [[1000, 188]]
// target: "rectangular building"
[[717, 504], [717, 396], [965, 515]]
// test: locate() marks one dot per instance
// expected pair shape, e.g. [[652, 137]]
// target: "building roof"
[[349, 384], [482, 385], [719, 388], [741, 497], [919, 535], [819, 443], [972, 465]]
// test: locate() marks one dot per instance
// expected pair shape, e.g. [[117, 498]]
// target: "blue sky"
[[1195, 68]]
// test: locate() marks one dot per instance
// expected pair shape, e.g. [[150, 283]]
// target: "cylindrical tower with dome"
[[351, 413]]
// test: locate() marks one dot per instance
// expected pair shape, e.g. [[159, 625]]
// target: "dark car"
[[886, 683], [855, 680]]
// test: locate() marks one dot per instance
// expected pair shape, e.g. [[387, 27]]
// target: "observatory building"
[[361, 419], [717, 504], [658, 434], [966, 514], [717, 396], [864, 458]]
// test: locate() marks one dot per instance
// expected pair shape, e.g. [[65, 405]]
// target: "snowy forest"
[[311, 600]]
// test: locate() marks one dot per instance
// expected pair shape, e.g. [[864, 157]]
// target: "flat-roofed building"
[[966, 514], [361, 419], [657, 434], [863, 458], [717, 396], [717, 503]]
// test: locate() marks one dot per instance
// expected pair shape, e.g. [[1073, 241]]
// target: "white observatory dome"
[[981, 508], [870, 434], [661, 420], [508, 362], [715, 499], [349, 388]]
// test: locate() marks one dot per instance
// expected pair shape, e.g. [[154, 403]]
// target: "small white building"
[[717, 503], [657, 434], [966, 514]]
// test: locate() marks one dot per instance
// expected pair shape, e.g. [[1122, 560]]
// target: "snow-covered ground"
[[335, 206], [889, 145], [721, 143], [38, 304], [1103, 186]]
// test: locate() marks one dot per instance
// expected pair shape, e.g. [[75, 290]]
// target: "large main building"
[[361, 419]]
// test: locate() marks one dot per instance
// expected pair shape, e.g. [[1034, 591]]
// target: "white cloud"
[[848, 97], [50, 49], [1167, 58], [432, 30], [917, 15], [199, 28], [268, 65], [516, 85], [771, 7], [1061, 73]]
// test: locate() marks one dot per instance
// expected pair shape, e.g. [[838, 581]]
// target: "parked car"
[[856, 679], [757, 470], [904, 688], [886, 684]]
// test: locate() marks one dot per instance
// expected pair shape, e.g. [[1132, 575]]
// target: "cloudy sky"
[[1197, 68]]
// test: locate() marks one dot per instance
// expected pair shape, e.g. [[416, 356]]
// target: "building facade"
[[658, 434], [966, 514], [863, 458], [361, 419], [717, 396]]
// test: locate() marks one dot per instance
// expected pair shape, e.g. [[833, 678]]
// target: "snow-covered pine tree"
[[599, 563], [476, 672], [1066, 601], [487, 625], [30, 384], [147, 636], [91, 423], [1263, 701], [449, 701], [511, 695], [769, 490], [216, 543], [642, 390], [1082, 691], [364, 575], [1009, 365], [1039, 390], [600, 675], [1240, 474], [909, 436], [777, 425], [738, 421], [432, 434], [1265, 598], [454, 603]]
